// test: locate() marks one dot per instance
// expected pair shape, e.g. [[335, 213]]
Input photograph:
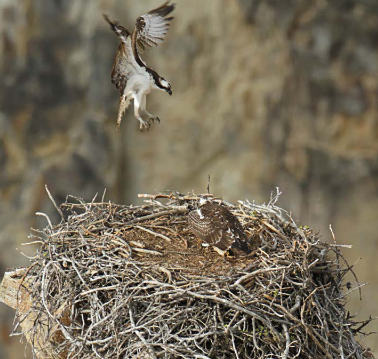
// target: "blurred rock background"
[[266, 94]]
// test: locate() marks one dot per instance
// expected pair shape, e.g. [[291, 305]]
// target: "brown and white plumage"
[[217, 226], [130, 74], [153, 26]]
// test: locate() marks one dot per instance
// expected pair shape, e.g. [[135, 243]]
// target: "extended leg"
[[144, 126], [143, 108], [124, 102]]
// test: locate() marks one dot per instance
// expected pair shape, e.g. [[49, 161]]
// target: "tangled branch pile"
[[120, 281]]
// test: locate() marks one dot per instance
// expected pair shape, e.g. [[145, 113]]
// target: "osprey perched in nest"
[[132, 77], [217, 226]]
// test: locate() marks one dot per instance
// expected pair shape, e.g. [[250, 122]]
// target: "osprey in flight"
[[132, 77], [217, 226]]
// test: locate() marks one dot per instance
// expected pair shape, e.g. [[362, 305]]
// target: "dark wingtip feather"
[[106, 18], [164, 9], [113, 24], [118, 29]]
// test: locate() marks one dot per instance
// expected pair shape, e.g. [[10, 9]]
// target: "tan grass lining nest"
[[121, 281]]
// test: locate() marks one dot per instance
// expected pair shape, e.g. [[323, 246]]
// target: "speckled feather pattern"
[[216, 225]]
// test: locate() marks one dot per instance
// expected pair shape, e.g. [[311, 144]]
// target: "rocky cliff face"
[[265, 94]]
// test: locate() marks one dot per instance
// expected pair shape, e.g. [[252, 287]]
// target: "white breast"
[[139, 81]]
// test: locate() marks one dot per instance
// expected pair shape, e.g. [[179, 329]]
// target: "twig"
[[54, 203], [147, 251], [178, 210], [287, 337], [154, 233], [140, 335], [111, 287], [47, 218]]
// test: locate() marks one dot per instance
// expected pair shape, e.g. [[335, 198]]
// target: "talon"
[[154, 119], [144, 126]]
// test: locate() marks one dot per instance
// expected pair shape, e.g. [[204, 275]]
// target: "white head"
[[165, 85]]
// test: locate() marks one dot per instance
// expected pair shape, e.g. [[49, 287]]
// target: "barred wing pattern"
[[123, 63], [217, 226], [152, 27]]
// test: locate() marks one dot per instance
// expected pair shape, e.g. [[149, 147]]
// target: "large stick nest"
[[121, 281]]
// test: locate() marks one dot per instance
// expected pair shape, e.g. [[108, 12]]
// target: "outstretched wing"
[[152, 27], [123, 63]]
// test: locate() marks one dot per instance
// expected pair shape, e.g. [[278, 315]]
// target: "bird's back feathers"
[[216, 225]]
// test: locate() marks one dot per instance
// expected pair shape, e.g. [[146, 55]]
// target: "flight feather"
[[152, 27]]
